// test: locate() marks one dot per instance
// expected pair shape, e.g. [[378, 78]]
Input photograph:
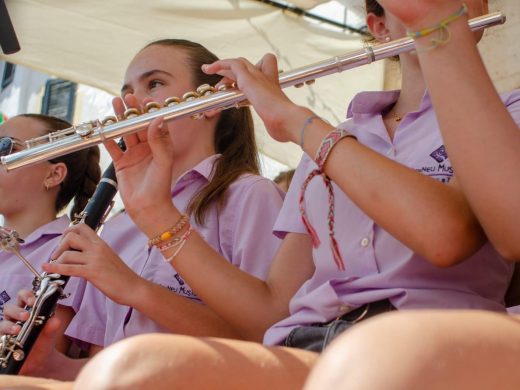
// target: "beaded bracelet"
[[180, 244], [179, 225], [321, 158]]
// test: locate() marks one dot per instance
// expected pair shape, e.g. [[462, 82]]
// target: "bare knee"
[[423, 349], [153, 361]]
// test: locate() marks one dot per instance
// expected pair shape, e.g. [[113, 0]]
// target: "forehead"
[[169, 59], [22, 128]]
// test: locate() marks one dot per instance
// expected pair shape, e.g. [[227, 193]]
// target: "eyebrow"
[[145, 75]]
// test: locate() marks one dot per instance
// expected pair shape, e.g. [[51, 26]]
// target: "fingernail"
[[14, 329], [30, 301], [204, 67]]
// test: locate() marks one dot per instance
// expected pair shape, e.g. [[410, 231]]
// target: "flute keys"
[[84, 129], [152, 106], [205, 90], [109, 120], [131, 113], [188, 97], [171, 101]]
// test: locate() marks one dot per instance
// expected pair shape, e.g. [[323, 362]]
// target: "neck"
[[186, 160], [413, 86], [412, 91], [28, 221]]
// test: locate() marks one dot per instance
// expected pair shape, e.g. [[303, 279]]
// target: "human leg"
[[424, 350], [32, 383], [162, 361]]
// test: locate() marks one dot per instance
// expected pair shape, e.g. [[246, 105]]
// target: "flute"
[[49, 288], [204, 99]]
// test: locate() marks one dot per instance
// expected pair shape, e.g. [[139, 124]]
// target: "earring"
[[46, 187], [387, 39]]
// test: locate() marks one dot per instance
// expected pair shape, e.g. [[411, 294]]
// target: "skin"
[[386, 191], [156, 73], [456, 349]]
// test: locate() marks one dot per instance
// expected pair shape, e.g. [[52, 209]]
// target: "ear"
[[55, 175], [377, 27]]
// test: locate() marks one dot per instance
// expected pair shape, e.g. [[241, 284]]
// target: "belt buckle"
[[362, 315]]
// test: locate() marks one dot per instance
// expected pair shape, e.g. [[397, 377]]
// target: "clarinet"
[[48, 288]]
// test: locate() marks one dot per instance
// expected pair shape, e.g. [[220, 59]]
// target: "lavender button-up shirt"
[[240, 230], [378, 266], [37, 248]]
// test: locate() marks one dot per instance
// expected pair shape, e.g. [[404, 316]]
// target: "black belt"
[[366, 311]]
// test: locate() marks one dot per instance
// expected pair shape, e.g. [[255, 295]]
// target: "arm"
[[246, 303], [203, 268], [396, 197], [482, 139]]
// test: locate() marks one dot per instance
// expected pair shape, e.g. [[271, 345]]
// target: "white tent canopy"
[[92, 41]]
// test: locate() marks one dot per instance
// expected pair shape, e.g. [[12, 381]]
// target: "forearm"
[[179, 314], [245, 302], [400, 199], [482, 139]]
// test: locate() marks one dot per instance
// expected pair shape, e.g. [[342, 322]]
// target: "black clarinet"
[[49, 288]]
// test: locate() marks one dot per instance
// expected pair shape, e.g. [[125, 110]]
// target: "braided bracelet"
[[441, 27], [179, 225], [321, 158]]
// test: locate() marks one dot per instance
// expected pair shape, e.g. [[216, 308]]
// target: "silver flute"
[[206, 98]]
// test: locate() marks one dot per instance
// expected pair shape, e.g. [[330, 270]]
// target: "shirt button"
[[364, 242], [390, 152]]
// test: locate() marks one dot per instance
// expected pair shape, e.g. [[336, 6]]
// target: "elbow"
[[446, 258], [454, 245]]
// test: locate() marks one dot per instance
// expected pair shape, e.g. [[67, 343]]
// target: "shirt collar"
[[203, 169], [53, 228], [374, 102]]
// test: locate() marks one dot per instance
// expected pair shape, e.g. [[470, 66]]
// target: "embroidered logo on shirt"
[[441, 171], [439, 154], [4, 297], [179, 279]]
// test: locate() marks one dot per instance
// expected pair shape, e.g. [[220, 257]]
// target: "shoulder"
[[254, 184]]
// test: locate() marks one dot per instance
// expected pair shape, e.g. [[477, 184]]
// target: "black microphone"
[[8, 41]]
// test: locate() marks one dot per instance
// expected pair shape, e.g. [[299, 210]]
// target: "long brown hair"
[[83, 171], [234, 135]]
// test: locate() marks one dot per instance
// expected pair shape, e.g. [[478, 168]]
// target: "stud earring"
[[387, 39]]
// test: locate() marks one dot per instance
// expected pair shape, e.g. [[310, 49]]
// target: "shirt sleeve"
[[289, 219], [512, 102], [246, 222], [89, 323]]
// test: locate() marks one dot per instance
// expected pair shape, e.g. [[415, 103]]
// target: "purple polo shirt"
[[377, 265], [240, 230], [37, 248]]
